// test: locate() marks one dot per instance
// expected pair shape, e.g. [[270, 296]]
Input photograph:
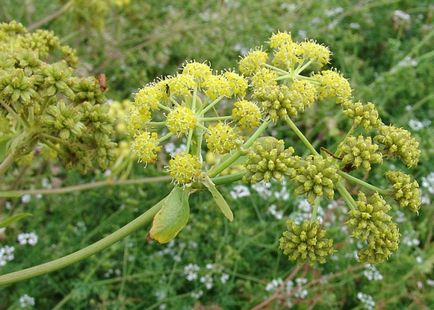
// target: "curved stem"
[[346, 196], [363, 183], [207, 108], [349, 133], [82, 187], [300, 135], [70, 259]]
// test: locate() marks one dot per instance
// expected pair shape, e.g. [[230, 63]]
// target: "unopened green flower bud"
[[399, 142], [316, 177], [269, 159], [306, 242], [380, 246], [405, 190], [362, 114], [370, 216], [359, 152]]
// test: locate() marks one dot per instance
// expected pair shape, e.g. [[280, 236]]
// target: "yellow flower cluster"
[[222, 138], [247, 114], [180, 120], [184, 168], [333, 85], [145, 146]]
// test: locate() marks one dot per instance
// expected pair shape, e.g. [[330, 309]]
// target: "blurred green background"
[[385, 48]]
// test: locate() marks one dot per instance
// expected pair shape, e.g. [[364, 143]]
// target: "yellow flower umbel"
[[199, 71], [149, 96], [362, 114], [316, 177], [252, 62], [333, 85], [222, 138], [264, 77], [247, 114], [145, 147], [181, 120], [280, 38], [181, 85], [237, 83], [399, 142], [287, 56], [216, 86], [405, 190], [306, 242], [380, 246], [359, 152], [318, 54], [184, 168]]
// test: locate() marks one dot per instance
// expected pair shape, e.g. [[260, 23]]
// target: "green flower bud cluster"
[[316, 176], [399, 142], [268, 159], [359, 152], [47, 103], [362, 114], [405, 190], [306, 242], [370, 223]]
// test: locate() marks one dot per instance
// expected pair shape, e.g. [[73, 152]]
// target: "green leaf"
[[4, 144], [14, 218], [172, 217], [219, 199]]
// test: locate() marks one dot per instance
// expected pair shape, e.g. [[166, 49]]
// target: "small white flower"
[[272, 209], [301, 293], [428, 182], [301, 281], [372, 273], [367, 300], [304, 205], [273, 285], [26, 301], [419, 259], [263, 189], [197, 294], [26, 198], [240, 191], [191, 271], [402, 15], [334, 11], [107, 173], [224, 278], [6, 254], [27, 238], [354, 26], [416, 124], [207, 281], [430, 282]]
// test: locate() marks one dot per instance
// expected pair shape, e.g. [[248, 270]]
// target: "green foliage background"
[[388, 62]]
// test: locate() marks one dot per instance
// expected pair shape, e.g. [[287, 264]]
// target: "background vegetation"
[[384, 47]]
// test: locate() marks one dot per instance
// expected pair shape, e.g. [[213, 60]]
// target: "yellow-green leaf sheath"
[[172, 217]]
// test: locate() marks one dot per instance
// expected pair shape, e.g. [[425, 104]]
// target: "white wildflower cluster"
[[299, 291], [410, 239], [303, 212], [417, 125], [27, 238], [240, 191], [334, 11], [206, 276], [372, 273], [6, 255], [197, 294], [273, 285], [112, 272], [277, 214], [399, 216], [428, 182], [367, 301], [26, 301], [263, 189], [172, 149]]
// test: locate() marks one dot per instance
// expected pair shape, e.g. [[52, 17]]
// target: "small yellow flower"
[[217, 86], [237, 83], [138, 117], [184, 168], [362, 114], [287, 56], [145, 147], [333, 85], [247, 114], [254, 60], [280, 38], [181, 85], [405, 190], [149, 96], [181, 120], [200, 71], [303, 94], [263, 78], [319, 54], [221, 138]]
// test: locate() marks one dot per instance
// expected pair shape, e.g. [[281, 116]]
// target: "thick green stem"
[[227, 179], [234, 156], [346, 196], [207, 108], [217, 118], [165, 137], [276, 68], [90, 250], [349, 133], [363, 183], [300, 135]]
